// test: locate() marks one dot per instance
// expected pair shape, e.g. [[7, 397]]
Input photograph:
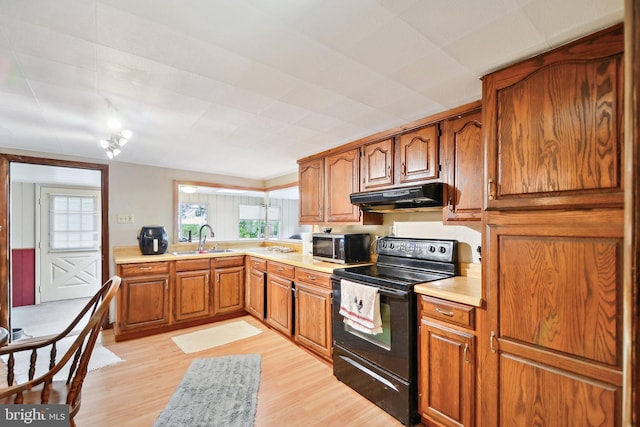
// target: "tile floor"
[[46, 318]]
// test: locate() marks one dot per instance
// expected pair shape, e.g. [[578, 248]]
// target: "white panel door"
[[68, 254]]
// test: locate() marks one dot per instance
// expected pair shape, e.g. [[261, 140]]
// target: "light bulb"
[[116, 151], [104, 143], [122, 141], [109, 155], [126, 133]]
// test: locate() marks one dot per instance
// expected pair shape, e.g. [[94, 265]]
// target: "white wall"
[[426, 225], [146, 192], [22, 230]]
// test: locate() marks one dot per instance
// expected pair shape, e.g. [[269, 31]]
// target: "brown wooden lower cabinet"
[[256, 286], [156, 297], [143, 299], [447, 363], [228, 284], [279, 299], [555, 324], [313, 311], [192, 290]]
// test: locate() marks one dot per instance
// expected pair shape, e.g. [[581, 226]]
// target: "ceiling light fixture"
[[189, 189], [119, 137], [113, 145]]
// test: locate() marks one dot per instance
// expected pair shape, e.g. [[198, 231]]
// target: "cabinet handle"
[[490, 187], [466, 353], [446, 313], [166, 284], [145, 268], [491, 338], [312, 277], [218, 278], [450, 205], [389, 171], [404, 169]]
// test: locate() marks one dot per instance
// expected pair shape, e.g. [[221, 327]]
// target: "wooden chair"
[[44, 388]]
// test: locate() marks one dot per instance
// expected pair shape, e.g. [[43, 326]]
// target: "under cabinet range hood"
[[416, 198]]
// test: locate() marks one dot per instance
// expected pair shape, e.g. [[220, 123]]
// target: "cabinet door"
[[554, 127], [341, 179], [313, 319], [447, 375], [255, 291], [310, 185], [418, 155], [192, 295], [228, 290], [463, 145], [143, 302], [377, 164], [279, 309], [555, 318]]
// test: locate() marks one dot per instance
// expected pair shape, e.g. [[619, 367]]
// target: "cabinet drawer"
[[228, 261], [192, 264], [282, 270], [127, 270], [451, 312], [258, 263], [313, 277]]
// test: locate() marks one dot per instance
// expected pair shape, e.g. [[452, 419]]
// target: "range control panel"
[[442, 250]]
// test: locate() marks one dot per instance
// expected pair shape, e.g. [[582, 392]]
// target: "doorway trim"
[[5, 186]]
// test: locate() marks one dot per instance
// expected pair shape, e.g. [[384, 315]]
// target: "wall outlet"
[[124, 219]]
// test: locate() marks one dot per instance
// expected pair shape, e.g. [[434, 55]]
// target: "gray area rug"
[[216, 391]]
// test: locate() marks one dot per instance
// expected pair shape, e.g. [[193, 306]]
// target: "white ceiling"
[[247, 87]]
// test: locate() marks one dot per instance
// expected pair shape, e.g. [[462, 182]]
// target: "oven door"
[[394, 348]]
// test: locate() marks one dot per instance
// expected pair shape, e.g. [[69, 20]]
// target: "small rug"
[[100, 358], [216, 391], [213, 337]]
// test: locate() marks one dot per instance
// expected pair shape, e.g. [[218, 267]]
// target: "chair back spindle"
[[44, 388]]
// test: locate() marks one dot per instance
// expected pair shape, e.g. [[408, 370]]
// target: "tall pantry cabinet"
[[553, 237]]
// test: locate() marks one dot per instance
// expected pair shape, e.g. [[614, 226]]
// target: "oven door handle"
[[393, 293]]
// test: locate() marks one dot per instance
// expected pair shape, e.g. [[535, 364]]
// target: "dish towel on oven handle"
[[360, 306]]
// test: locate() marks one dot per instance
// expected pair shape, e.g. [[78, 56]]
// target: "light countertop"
[[131, 254], [462, 289], [465, 289]]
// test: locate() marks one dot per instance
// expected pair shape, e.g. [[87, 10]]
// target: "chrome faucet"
[[201, 242]]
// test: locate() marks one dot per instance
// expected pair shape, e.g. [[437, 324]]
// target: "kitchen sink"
[[207, 251]]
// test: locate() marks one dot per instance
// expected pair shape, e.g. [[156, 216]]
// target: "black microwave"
[[344, 248]]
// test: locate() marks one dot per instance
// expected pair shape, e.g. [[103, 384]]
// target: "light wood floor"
[[296, 388]]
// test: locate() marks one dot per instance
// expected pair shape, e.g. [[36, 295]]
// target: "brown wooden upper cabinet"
[[462, 152], [325, 185], [311, 188], [417, 154], [401, 160], [377, 164], [554, 128], [341, 174]]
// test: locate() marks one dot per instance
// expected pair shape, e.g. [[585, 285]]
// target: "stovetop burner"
[[405, 262], [390, 276]]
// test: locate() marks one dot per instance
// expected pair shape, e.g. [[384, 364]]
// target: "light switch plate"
[[124, 219]]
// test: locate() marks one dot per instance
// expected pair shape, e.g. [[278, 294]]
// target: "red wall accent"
[[23, 274]]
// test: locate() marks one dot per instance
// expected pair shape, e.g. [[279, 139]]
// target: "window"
[[192, 216], [73, 223], [254, 224]]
